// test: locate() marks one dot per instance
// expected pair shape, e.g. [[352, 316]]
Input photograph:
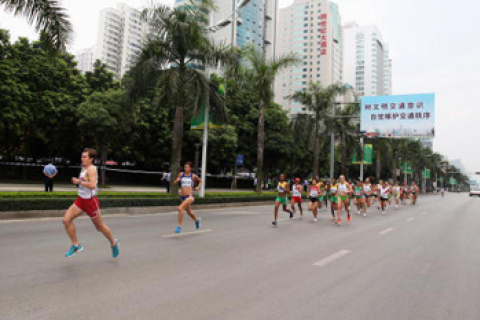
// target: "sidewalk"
[[39, 187]]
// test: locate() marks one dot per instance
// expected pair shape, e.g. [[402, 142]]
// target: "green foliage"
[[101, 79], [39, 94], [47, 16]]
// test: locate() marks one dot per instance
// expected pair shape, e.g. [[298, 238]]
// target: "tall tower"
[[121, 33], [312, 30], [368, 67], [255, 25]]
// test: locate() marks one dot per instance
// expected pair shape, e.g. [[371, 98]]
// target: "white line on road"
[[410, 219], [331, 258], [186, 233], [386, 231]]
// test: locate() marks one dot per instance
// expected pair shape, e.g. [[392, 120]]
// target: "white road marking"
[[410, 219], [386, 231], [186, 233], [331, 258]]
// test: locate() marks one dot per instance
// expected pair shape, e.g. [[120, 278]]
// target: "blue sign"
[[240, 160], [399, 116]]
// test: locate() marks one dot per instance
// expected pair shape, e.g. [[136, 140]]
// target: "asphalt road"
[[418, 262]]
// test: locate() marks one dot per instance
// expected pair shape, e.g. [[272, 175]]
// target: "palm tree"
[[48, 17], [170, 63], [262, 72], [318, 100], [345, 123]]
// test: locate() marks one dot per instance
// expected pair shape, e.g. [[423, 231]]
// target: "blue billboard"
[[403, 116]]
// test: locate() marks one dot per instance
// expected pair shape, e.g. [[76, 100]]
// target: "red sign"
[[323, 32]]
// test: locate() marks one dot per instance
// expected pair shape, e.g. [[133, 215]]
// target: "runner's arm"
[[195, 177], [91, 183], [178, 178]]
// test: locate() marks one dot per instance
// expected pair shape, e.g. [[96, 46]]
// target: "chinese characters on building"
[[323, 34]]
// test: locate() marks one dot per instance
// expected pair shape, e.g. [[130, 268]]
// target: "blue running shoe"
[[178, 230], [116, 249], [73, 250], [198, 223]]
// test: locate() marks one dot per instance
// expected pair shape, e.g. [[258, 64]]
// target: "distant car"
[[475, 191]]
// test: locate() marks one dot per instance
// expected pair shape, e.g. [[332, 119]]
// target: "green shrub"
[[26, 204]]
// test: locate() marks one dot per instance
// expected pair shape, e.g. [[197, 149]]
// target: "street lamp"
[[221, 24]]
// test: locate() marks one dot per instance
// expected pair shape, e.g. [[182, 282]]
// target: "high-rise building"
[[367, 64], [121, 33], [85, 59], [256, 24], [312, 30]]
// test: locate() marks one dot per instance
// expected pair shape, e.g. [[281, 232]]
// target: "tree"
[[48, 17], [318, 101], [102, 118], [169, 64], [101, 78], [39, 94], [262, 73]]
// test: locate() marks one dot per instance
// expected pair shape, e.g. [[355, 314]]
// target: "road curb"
[[16, 215]]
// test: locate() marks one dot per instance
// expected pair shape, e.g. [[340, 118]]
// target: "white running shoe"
[[364, 215], [383, 212], [314, 219]]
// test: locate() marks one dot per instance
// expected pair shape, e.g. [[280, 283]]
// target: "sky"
[[434, 44]]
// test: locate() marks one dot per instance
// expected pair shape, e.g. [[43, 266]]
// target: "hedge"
[[111, 194], [107, 202]]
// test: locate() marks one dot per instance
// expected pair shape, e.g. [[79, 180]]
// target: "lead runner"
[[87, 202]]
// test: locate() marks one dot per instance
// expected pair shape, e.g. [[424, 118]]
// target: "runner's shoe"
[[291, 215], [116, 249], [364, 215], [349, 219], [275, 223], [198, 223], [178, 230], [339, 222], [73, 250]]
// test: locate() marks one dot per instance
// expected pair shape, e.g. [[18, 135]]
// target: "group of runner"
[[341, 194], [319, 193]]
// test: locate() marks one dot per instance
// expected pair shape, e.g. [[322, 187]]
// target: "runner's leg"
[[102, 227], [72, 213]]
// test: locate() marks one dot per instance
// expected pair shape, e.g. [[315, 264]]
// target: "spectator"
[[255, 184], [50, 171], [166, 177]]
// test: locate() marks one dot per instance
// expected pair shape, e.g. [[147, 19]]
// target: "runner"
[[326, 187], [344, 189], [87, 202], [390, 195], [397, 194], [282, 190], [414, 190], [188, 183], [442, 191], [367, 196], [297, 197], [321, 192], [358, 200], [313, 194], [406, 193], [384, 193], [377, 193], [333, 189]]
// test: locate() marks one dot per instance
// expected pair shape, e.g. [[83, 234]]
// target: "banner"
[[408, 168], [367, 155], [426, 174], [399, 116], [453, 181], [198, 122]]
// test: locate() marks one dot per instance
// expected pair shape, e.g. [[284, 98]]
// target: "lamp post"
[[219, 25]]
